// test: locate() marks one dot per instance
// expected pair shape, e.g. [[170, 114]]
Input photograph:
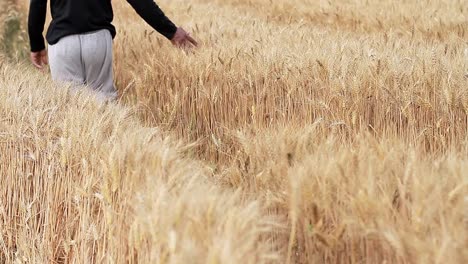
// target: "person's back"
[[71, 17], [80, 38]]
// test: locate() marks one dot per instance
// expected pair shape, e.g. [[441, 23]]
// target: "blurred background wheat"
[[299, 132]]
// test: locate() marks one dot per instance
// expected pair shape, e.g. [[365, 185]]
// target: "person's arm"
[[36, 22], [154, 16]]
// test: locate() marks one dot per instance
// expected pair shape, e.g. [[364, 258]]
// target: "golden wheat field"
[[299, 131]]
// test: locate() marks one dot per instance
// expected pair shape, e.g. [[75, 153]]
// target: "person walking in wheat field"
[[80, 39]]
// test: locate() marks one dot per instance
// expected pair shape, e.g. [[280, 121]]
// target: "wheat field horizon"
[[297, 132]]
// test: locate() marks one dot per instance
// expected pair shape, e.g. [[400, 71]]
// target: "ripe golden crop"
[[298, 132]]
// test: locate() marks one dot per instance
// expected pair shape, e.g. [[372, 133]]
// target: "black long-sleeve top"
[[71, 17]]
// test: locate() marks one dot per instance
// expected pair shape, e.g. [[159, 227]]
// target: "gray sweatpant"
[[85, 59]]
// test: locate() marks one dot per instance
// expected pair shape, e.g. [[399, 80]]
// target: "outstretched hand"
[[182, 39], [39, 59]]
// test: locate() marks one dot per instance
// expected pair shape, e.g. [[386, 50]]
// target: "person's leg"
[[97, 60], [65, 61]]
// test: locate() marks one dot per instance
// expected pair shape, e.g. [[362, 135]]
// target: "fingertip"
[[38, 65], [193, 41]]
